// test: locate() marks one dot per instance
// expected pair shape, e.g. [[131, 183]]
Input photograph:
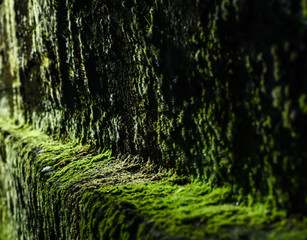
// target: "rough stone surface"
[[69, 191], [213, 89]]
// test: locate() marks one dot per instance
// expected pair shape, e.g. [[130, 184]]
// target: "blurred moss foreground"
[[61, 190], [168, 118]]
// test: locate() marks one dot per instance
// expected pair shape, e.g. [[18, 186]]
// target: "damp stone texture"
[[214, 91]]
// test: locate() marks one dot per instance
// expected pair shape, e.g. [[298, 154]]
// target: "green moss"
[[190, 86], [191, 210], [68, 182], [304, 8]]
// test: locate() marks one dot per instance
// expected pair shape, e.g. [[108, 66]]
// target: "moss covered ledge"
[[47, 184]]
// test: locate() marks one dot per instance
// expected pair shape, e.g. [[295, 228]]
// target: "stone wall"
[[47, 194], [213, 89]]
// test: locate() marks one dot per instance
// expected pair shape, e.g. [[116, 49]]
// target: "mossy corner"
[[107, 198]]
